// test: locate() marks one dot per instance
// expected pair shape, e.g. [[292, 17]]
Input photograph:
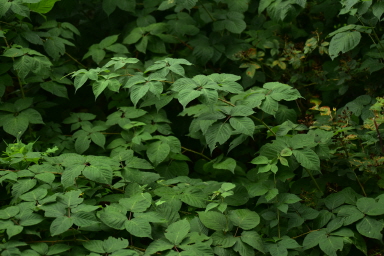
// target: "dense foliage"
[[191, 127]]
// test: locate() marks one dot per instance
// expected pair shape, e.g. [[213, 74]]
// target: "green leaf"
[[227, 164], [41, 248], [101, 174], [264, 4], [60, 225], [269, 105], [94, 246], [114, 244], [138, 92], [98, 138], [177, 231], [55, 88], [334, 200], [99, 86], [243, 125], [244, 218], [281, 91], [34, 195], [343, 42], [22, 186], [14, 230], [46, 177], [30, 219], [284, 113], [350, 214], [82, 143], [157, 152], [244, 249], [137, 203], [331, 244], [208, 96], [71, 198], [378, 9], [108, 41], [9, 212], [238, 6], [43, 6], [370, 227], [218, 133], [69, 175], [138, 227], [253, 239], [260, 160], [113, 219], [286, 152], [15, 125], [214, 220], [185, 96], [84, 219], [195, 197], [157, 246], [307, 158], [222, 239], [370, 206], [234, 23]]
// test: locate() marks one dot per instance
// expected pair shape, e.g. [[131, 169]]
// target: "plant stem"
[[261, 121], [357, 178], [75, 60], [361, 185], [313, 179], [197, 153], [305, 233], [210, 15]]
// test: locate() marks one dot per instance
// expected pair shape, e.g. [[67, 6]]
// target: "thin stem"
[[75, 60], [305, 233], [237, 229], [313, 179], [210, 15], [361, 185], [261, 121], [21, 87], [197, 153], [357, 178]]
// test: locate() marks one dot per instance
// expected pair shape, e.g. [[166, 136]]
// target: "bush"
[[191, 127]]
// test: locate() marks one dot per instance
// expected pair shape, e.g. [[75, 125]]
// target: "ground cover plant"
[[191, 127]]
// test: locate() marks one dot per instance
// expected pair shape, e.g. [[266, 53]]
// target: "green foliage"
[[156, 127]]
